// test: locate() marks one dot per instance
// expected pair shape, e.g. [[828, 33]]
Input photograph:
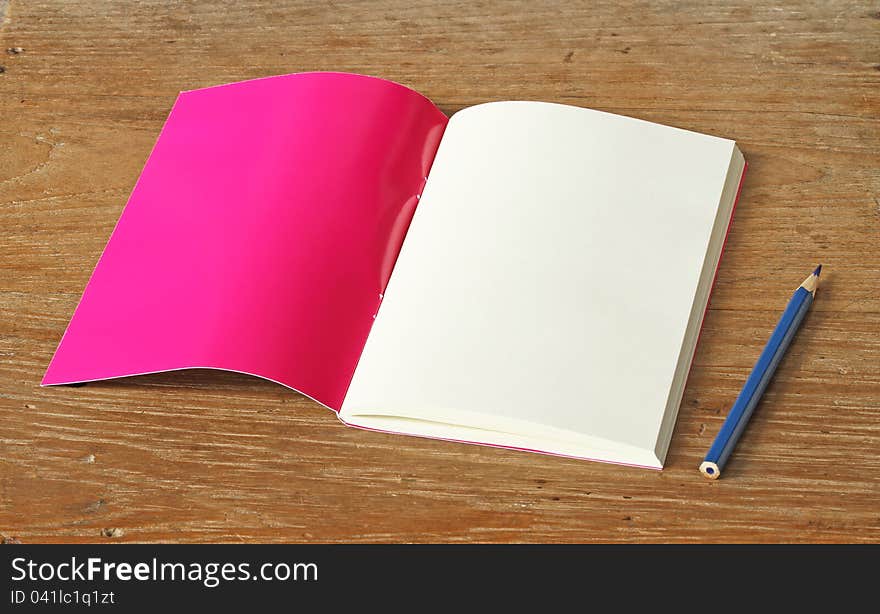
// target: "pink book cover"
[[260, 235]]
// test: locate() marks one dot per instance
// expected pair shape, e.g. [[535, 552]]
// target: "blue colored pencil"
[[760, 376]]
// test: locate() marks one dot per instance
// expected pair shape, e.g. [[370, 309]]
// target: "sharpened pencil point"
[[818, 270]]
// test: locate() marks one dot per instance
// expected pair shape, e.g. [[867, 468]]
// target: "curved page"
[[260, 234]]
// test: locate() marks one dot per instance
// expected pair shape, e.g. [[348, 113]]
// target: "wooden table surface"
[[211, 456]]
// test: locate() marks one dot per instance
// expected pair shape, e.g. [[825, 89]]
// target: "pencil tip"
[[818, 270]]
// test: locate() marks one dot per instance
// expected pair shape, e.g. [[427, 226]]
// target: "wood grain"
[[209, 456]]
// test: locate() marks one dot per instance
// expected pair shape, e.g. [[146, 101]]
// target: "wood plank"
[[210, 456]]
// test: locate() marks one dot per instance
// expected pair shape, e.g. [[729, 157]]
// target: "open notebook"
[[522, 274]]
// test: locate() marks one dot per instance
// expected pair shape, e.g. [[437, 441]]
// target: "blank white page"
[[543, 291]]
